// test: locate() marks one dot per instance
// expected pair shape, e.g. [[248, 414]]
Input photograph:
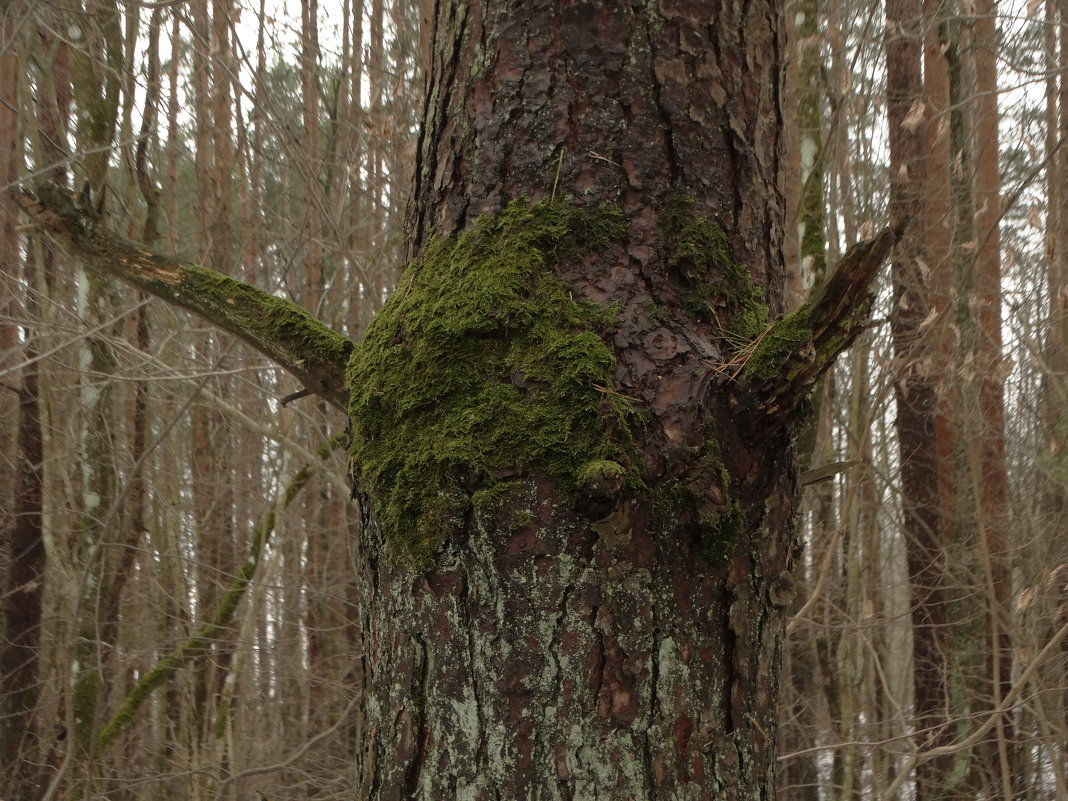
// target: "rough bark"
[[564, 648]]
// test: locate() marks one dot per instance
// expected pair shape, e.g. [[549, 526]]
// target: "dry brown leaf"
[[914, 119]]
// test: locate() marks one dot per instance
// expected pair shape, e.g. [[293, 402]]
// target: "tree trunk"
[[922, 433], [990, 473], [21, 504], [598, 642]]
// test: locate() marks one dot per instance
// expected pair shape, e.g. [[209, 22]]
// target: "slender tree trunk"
[[314, 196], [810, 215], [23, 591], [806, 262], [23, 588], [992, 490], [916, 390], [21, 543], [938, 234], [21, 532]]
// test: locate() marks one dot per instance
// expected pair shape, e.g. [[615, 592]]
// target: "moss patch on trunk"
[[482, 368], [777, 344]]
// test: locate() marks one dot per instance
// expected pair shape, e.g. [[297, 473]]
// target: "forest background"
[[188, 626]]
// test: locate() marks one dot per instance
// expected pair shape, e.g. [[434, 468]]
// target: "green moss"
[[703, 496], [721, 531], [668, 501], [85, 692], [784, 338], [702, 249], [268, 317], [601, 478], [505, 497], [483, 366], [599, 470], [654, 311], [749, 323], [719, 515], [717, 288], [489, 500]]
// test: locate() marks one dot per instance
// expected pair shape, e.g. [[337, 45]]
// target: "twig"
[[1007, 703], [292, 396], [599, 157], [608, 391], [556, 180]]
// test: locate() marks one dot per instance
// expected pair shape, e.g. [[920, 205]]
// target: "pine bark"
[[597, 652]]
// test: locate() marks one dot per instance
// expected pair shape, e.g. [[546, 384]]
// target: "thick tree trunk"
[[569, 660], [565, 645]]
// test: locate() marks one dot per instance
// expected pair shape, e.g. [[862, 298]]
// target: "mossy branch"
[[800, 346], [279, 329], [199, 644]]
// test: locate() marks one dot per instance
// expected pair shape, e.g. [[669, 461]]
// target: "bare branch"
[[800, 346], [278, 328]]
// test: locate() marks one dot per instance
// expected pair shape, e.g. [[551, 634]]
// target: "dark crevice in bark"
[[370, 555], [740, 726], [554, 640], [420, 710], [435, 113], [377, 761], [601, 662], [734, 168], [730, 674], [468, 596], [670, 152], [451, 75]]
